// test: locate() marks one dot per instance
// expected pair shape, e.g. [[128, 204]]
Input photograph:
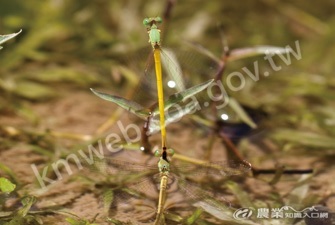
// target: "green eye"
[[158, 19], [146, 21], [157, 153], [170, 152]]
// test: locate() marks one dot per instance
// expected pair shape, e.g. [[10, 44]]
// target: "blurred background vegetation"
[[72, 45], [66, 47], [77, 43]]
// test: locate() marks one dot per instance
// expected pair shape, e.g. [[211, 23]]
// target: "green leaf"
[[241, 112], [73, 221], [114, 221], [16, 220], [108, 198], [4, 38], [25, 111], [8, 171], [6, 185], [172, 217], [241, 53], [80, 76], [193, 218], [241, 195], [226, 215], [33, 90], [300, 192], [299, 197], [308, 139], [40, 150], [129, 105], [27, 202]]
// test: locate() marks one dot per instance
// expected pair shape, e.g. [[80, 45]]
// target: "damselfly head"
[[167, 152], [152, 20]]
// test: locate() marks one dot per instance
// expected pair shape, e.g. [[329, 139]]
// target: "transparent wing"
[[181, 68], [129, 190], [171, 116], [176, 108], [180, 97], [112, 166], [211, 202], [173, 69], [133, 204], [215, 169], [134, 199], [137, 202]]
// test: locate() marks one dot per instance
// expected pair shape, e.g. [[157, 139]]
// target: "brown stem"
[[166, 16], [168, 9], [145, 144], [234, 153], [232, 149], [257, 171]]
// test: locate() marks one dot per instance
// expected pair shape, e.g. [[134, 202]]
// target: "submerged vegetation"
[[253, 83]]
